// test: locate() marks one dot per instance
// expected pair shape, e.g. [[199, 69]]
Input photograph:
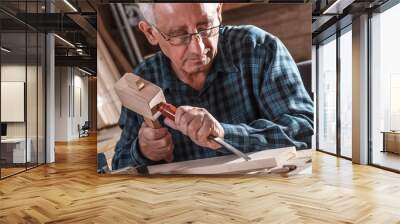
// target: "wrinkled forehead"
[[179, 14]]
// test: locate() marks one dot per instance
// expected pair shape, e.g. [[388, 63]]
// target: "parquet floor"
[[70, 191], [9, 171]]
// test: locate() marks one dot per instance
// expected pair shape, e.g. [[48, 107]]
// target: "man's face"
[[179, 19]]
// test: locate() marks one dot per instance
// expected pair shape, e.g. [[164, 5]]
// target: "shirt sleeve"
[[287, 111], [127, 151]]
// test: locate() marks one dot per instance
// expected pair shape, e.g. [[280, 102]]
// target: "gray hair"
[[147, 10]]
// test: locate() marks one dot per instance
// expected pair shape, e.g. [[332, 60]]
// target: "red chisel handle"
[[167, 110]]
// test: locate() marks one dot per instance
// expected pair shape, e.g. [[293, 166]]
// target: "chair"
[[84, 130]]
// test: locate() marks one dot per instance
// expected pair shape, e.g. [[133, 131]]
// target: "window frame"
[[335, 36]]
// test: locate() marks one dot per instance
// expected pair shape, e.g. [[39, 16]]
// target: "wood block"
[[139, 95], [229, 164]]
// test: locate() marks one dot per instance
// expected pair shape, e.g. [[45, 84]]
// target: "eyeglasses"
[[186, 38]]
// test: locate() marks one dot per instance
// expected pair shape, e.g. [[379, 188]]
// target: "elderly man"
[[236, 82]]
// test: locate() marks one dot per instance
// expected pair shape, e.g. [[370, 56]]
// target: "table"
[[391, 141], [13, 150]]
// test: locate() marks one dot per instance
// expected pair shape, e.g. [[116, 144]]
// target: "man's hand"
[[156, 144], [198, 124]]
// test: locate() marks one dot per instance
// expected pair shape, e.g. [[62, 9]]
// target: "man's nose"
[[196, 44]]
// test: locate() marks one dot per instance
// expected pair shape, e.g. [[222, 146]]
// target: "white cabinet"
[[17, 147]]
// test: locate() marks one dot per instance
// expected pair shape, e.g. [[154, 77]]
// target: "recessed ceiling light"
[[5, 50], [84, 71], [337, 7], [70, 5], [65, 41]]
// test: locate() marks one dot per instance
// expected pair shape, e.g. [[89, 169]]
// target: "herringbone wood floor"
[[70, 191]]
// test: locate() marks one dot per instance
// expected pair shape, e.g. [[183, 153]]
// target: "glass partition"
[[327, 96], [22, 77], [13, 95]]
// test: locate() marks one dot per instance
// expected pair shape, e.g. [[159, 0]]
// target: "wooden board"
[[230, 164]]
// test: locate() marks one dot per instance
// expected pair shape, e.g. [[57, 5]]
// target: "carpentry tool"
[[169, 110], [147, 99]]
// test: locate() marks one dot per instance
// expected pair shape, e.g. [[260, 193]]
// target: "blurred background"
[[121, 46]]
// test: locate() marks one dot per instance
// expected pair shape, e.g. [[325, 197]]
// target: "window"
[[327, 96], [346, 93], [335, 137], [385, 86]]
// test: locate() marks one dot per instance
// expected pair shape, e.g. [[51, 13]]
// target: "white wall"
[[13, 73], [16, 73], [69, 82], [61, 103], [33, 126], [79, 117]]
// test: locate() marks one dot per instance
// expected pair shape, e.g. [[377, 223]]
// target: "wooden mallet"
[[140, 96]]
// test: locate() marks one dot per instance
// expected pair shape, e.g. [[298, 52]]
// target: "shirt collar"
[[224, 61], [167, 75]]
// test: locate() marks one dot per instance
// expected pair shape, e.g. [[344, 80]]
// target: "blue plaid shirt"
[[253, 89]]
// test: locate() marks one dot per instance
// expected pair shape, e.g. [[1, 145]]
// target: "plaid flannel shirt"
[[253, 89]]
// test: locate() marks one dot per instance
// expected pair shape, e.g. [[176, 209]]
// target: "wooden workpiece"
[[260, 161]]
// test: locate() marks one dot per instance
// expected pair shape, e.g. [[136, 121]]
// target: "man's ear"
[[148, 32], [219, 12]]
